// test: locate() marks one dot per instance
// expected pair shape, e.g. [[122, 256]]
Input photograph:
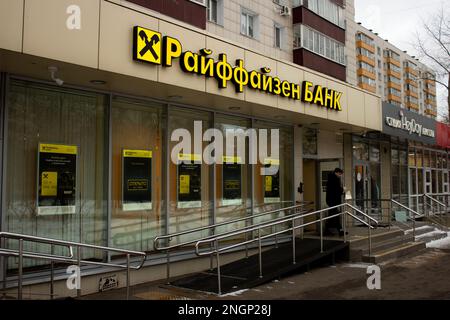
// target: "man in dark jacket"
[[334, 198]]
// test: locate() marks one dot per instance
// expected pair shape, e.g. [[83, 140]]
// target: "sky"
[[398, 21]]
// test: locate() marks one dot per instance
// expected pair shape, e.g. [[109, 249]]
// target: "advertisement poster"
[[137, 180], [189, 170], [232, 181], [57, 177], [272, 183]]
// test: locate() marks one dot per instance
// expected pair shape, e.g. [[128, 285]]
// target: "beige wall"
[[105, 43]]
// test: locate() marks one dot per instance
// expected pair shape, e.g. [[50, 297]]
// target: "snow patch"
[[234, 294], [419, 228], [357, 265], [443, 243]]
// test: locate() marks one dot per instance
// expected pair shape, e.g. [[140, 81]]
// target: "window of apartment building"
[[394, 68], [379, 51], [366, 66], [366, 53], [215, 11], [364, 38], [394, 80], [305, 37], [249, 22], [327, 9], [366, 80], [278, 36], [395, 92], [379, 64], [202, 2]]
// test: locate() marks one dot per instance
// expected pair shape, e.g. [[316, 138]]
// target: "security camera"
[[53, 71]]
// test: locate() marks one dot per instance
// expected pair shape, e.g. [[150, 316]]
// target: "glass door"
[[428, 181]]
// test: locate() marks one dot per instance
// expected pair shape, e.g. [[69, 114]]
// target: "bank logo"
[[147, 45]]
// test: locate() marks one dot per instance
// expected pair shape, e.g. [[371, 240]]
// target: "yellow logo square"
[[147, 45]]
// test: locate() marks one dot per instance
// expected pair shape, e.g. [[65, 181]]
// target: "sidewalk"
[[425, 275]]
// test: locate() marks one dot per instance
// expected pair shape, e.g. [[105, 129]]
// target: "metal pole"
[[370, 240], [260, 253], [219, 285], [52, 276], [20, 276], [128, 276], [414, 227], [293, 242], [321, 233], [168, 267], [79, 269], [345, 225]]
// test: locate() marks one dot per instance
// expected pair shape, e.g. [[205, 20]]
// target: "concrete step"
[[394, 253], [357, 253], [362, 241]]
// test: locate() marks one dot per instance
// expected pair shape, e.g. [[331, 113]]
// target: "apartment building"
[[309, 33], [399, 78]]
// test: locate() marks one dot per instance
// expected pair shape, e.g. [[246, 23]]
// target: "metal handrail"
[[172, 235], [20, 253], [415, 213], [217, 250]]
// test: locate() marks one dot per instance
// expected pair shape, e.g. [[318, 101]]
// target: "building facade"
[[92, 107], [397, 77]]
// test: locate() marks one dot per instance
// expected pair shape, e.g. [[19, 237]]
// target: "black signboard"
[[137, 180], [272, 183], [189, 181], [57, 175], [232, 182]]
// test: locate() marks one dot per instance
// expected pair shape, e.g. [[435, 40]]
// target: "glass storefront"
[[109, 178], [428, 173]]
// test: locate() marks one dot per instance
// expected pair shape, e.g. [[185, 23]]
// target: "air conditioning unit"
[[285, 11]]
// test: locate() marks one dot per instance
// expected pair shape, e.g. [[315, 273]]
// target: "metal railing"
[[212, 228], [69, 259], [215, 240]]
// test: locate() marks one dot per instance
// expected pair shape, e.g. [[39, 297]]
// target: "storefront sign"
[[151, 47], [407, 124], [232, 181], [272, 183], [137, 180], [57, 172], [189, 181]]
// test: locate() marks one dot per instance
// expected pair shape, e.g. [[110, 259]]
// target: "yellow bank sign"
[[151, 47]]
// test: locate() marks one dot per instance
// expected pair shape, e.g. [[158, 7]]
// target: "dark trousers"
[[334, 223]]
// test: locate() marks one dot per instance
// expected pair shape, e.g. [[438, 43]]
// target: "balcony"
[[431, 112], [393, 61], [412, 94], [411, 71], [366, 73], [392, 73], [394, 98], [412, 82], [430, 102], [366, 59], [394, 85], [413, 106], [362, 44], [367, 87], [430, 91]]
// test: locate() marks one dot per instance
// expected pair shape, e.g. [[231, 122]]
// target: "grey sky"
[[397, 21]]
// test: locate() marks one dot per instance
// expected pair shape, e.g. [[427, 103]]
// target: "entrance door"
[[361, 185], [326, 167]]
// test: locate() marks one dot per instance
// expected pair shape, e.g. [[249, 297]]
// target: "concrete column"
[[298, 160]]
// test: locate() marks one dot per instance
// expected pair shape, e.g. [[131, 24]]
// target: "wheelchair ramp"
[[276, 263]]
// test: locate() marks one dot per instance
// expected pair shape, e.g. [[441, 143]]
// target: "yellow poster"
[[49, 183], [184, 184], [268, 185], [127, 153]]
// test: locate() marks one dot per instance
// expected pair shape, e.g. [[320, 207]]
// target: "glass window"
[[190, 198], [43, 114], [137, 216], [212, 10], [360, 151], [278, 36]]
